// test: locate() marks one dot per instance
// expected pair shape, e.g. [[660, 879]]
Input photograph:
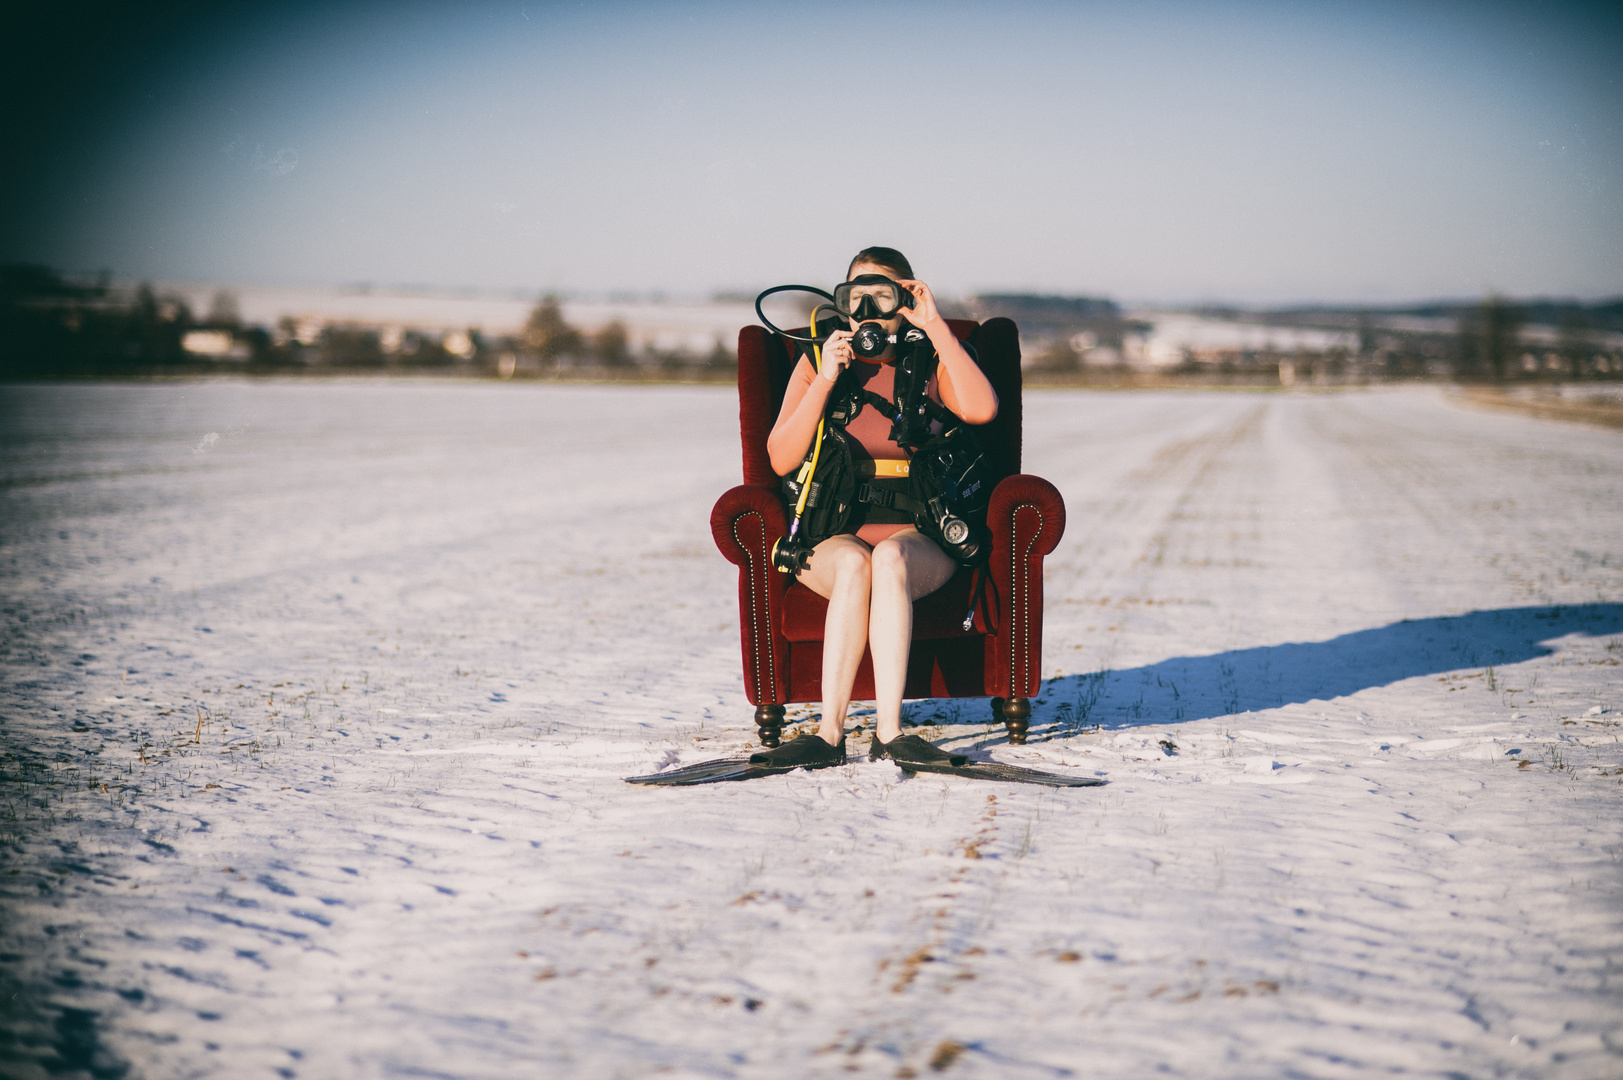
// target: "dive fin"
[[915, 754], [773, 762], [1011, 774], [704, 772]]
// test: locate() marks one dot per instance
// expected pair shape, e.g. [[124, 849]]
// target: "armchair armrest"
[[746, 521], [739, 504], [1026, 517]]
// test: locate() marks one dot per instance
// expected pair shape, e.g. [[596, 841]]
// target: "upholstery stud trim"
[[1020, 588], [759, 634]]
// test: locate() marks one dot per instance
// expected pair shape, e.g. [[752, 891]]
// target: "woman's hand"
[[923, 312], [837, 354], [961, 383]]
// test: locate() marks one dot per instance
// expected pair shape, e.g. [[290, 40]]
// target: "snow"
[[317, 698], [1172, 334]]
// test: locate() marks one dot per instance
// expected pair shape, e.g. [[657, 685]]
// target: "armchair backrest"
[[766, 360]]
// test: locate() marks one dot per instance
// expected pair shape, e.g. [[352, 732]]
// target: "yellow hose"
[[809, 469]]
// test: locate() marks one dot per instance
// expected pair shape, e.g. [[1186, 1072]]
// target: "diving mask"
[[870, 296]]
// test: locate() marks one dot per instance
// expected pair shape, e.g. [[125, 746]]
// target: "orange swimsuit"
[[870, 431]]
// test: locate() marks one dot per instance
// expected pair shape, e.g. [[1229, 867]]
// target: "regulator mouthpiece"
[[870, 339]]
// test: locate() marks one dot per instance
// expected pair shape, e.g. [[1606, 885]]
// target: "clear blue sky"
[[1168, 152]]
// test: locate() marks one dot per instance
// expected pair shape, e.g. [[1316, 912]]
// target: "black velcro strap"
[[890, 498], [885, 406], [907, 503]]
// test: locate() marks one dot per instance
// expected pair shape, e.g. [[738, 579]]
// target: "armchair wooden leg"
[[1015, 713], [769, 723]]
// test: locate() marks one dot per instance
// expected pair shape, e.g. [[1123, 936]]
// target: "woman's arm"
[[959, 379], [803, 402]]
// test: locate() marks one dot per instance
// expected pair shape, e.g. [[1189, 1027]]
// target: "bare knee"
[[890, 564], [848, 563]]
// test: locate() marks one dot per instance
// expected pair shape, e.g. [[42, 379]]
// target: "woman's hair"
[[889, 258]]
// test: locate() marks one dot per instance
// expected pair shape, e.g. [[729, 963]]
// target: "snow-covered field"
[[317, 699]]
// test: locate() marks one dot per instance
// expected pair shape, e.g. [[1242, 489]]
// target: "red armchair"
[[781, 621]]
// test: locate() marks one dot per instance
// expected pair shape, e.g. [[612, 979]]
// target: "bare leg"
[[905, 566], [839, 571]]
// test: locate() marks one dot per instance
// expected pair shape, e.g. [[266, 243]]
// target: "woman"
[[871, 577]]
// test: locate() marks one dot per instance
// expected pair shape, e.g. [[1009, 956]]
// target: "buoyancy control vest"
[[948, 483]]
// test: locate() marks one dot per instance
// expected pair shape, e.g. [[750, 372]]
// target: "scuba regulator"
[[791, 553], [859, 303], [865, 299]]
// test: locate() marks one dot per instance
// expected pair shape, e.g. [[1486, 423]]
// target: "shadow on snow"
[[1244, 680]]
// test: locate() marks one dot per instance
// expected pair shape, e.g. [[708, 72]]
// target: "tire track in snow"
[[1156, 508]]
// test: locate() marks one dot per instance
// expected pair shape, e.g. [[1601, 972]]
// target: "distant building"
[[215, 344]]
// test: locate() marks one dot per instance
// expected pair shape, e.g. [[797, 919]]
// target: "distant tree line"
[[55, 327], [553, 344], [1492, 347], [52, 326], [1496, 340]]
